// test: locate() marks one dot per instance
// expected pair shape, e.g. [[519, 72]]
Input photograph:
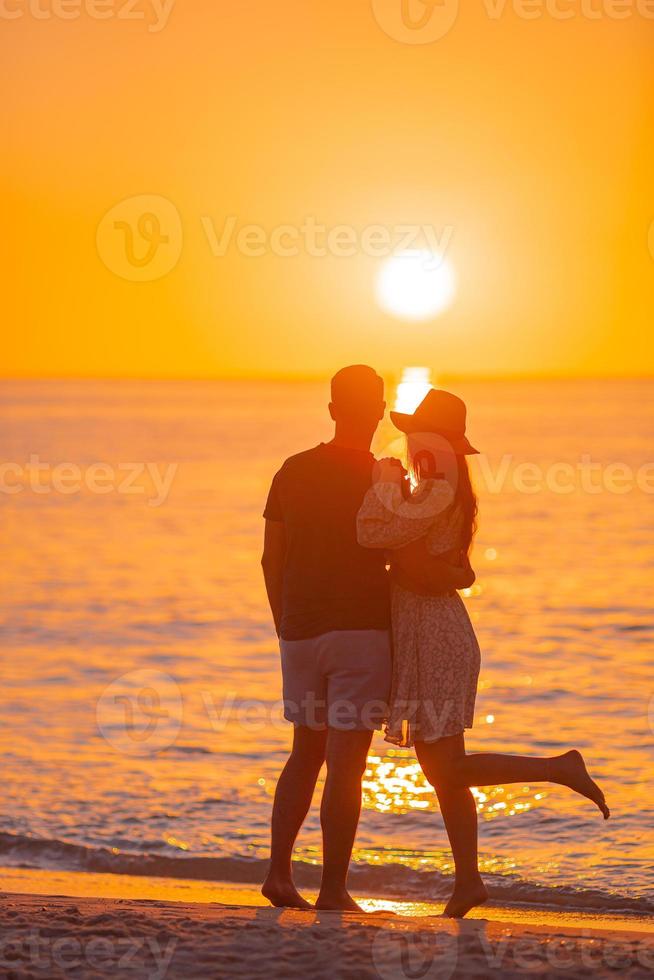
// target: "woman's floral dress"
[[436, 656]]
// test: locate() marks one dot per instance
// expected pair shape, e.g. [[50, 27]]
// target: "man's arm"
[[272, 562], [417, 570]]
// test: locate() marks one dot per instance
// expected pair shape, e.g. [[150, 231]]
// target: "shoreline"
[[55, 924], [97, 885], [389, 880]]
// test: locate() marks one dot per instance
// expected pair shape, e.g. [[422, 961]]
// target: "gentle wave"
[[388, 881]]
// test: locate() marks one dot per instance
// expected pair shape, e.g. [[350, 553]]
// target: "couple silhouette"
[[362, 562]]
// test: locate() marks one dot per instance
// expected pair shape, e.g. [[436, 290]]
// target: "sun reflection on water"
[[424, 860], [413, 386], [395, 783]]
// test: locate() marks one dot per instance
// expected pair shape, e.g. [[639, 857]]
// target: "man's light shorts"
[[340, 679]]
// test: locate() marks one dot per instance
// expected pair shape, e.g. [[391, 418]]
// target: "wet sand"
[[228, 930]]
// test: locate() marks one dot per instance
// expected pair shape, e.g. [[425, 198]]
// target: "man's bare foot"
[[465, 897], [570, 770], [282, 893], [340, 901]]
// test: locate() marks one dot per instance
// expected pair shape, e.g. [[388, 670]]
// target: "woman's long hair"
[[466, 497], [423, 466]]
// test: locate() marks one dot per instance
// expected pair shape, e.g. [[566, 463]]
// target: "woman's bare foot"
[[465, 896], [570, 770], [282, 893], [340, 901]]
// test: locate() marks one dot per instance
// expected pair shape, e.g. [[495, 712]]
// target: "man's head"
[[357, 398]]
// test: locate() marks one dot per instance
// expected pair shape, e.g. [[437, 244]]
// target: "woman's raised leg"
[[495, 769], [452, 772]]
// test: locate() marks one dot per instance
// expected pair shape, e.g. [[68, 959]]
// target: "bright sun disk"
[[416, 285]]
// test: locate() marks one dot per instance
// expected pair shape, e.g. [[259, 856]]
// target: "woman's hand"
[[389, 470]]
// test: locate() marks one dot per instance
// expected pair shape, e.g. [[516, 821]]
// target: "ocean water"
[[140, 719]]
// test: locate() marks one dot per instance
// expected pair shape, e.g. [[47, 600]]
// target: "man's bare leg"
[[346, 757], [292, 801]]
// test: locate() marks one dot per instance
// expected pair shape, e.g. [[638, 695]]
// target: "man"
[[330, 602]]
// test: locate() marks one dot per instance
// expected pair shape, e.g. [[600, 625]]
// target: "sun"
[[416, 285]]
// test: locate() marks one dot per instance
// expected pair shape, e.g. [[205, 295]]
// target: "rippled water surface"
[[179, 758]]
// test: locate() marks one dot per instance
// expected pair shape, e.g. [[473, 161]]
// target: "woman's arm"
[[389, 519], [415, 569]]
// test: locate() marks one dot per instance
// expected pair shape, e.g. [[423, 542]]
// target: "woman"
[[436, 655]]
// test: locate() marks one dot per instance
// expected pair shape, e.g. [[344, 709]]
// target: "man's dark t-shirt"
[[330, 581]]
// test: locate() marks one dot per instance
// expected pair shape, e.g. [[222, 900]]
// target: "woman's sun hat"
[[440, 412]]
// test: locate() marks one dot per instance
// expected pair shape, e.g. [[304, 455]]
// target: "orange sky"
[[531, 140]]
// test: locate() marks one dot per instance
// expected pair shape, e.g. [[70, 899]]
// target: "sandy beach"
[[234, 934]]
